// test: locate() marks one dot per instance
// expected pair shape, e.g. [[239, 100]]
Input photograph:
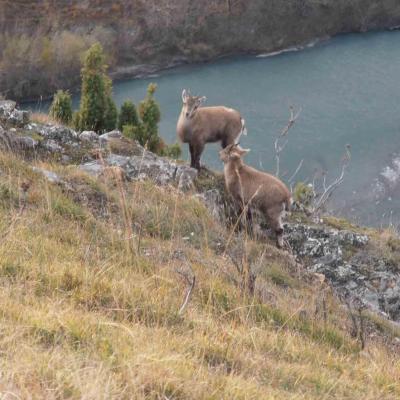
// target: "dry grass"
[[43, 118], [90, 298]]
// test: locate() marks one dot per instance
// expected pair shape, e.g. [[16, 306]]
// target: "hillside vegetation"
[[41, 41], [94, 274]]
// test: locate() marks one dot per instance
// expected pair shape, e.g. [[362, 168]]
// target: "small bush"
[[134, 132], [172, 151], [303, 194], [150, 115], [111, 115], [128, 115], [61, 107], [76, 120]]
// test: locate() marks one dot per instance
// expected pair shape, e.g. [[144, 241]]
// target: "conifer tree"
[[97, 110], [150, 115], [128, 115]]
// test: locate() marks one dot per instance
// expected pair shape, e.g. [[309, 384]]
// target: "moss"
[[8, 196], [342, 224], [67, 208], [208, 180], [217, 356], [277, 275], [10, 270], [385, 326], [33, 135], [394, 243]]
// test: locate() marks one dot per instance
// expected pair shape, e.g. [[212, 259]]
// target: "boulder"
[[212, 199], [49, 175], [106, 137], [59, 133], [11, 115], [147, 166], [89, 136]]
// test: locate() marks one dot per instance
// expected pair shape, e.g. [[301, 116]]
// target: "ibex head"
[[232, 152], [191, 103]]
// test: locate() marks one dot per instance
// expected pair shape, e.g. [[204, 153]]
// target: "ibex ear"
[[184, 96], [202, 99]]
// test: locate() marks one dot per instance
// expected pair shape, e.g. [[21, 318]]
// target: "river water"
[[349, 91]]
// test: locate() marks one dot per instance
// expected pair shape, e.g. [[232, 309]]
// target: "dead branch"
[[355, 330], [328, 190], [362, 328], [191, 282], [296, 171], [282, 140]]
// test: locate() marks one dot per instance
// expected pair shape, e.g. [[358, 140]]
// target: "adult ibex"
[[200, 125], [250, 187]]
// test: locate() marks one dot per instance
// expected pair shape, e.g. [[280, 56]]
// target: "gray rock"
[[19, 118], [94, 168], [61, 134], [52, 146], [364, 279], [148, 166], [6, 139], [185, 176], [9, 140], [212, 199], [10, 114], [25, 142], [7, 107], [89, 136], [49, 175], [106, 137]]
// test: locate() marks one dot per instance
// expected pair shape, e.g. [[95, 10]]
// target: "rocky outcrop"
[[147, 166], [68, 146], [361, 277], [143, 36]]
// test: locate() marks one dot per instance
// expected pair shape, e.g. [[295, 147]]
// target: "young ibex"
[[250, 187], [200, 125]]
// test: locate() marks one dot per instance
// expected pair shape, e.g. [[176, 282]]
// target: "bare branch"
[[362, 328], [296, 171], [328, 190], [281, 141], [191, 282]]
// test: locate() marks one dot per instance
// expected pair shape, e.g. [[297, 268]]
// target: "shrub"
[[111, 115], [61, 107], [149, 111], [303, 194], [146, 130], [135, 132], [76, 120], [172, 151], [128, 115]]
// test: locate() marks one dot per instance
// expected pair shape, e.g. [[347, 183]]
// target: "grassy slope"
[[89, 307]]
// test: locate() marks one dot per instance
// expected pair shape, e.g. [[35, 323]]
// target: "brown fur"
[[200, 125], [249, 186]]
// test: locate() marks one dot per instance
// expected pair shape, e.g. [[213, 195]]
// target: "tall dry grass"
[[90, 303]]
